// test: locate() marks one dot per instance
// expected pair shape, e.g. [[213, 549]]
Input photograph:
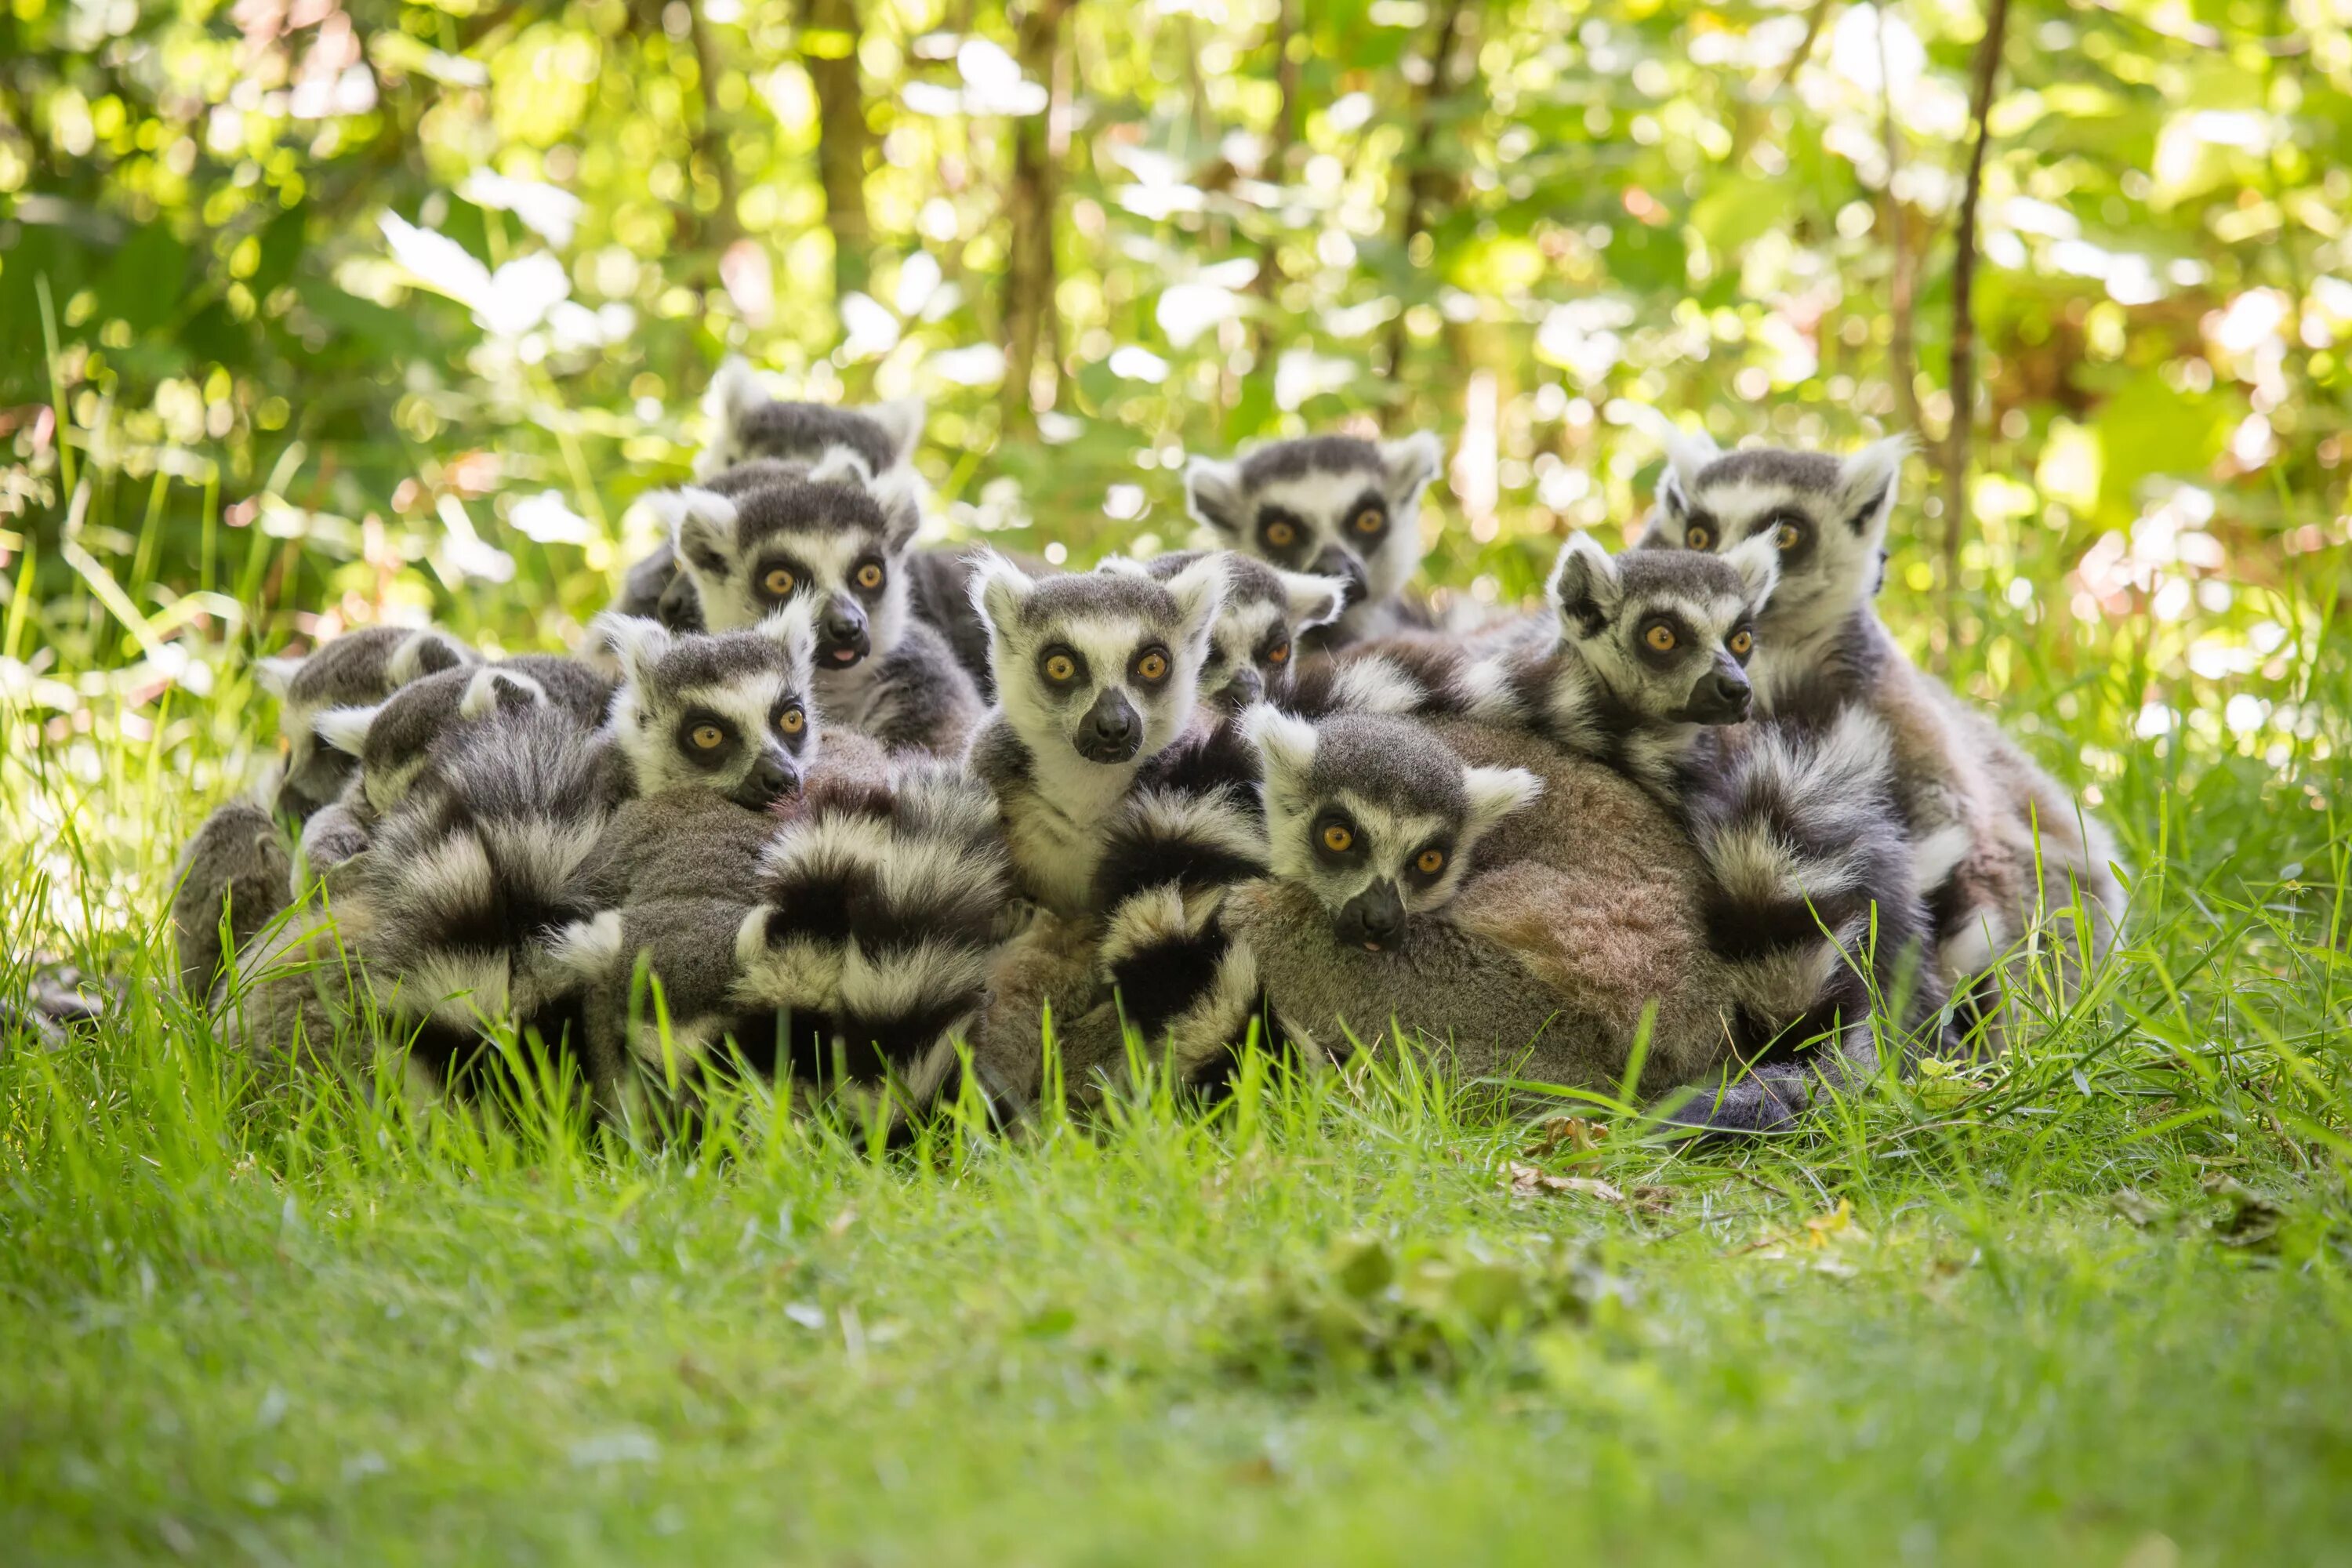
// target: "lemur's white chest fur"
[[1055, 825]]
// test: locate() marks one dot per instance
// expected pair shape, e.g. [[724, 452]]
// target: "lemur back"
[[357, 670]]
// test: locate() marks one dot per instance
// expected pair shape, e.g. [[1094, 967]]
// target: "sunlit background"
[[314, 313]]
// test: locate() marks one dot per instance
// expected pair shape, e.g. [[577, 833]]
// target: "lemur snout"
[[1246, 687], [1112, 730], [1373, 919], [1336, 563], [841, 636], [770, 779], [1720, 699]]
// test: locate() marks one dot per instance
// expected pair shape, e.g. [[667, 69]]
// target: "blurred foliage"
[[316, 311]]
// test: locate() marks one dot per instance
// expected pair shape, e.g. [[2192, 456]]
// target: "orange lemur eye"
[[1281, 535], [1429, 862], [792, 722], [1661, 637], [1786, 536], [1337, 839], [869, 576], [1278, 654], [1697, 538], [1061, 669], [1741, 641], [779, 582], [1152, 666], [708, 737], [1372, 519]]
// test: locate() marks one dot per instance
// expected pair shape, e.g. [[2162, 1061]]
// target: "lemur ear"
[[1584, 584], [345, 729], [733, 393], [277, 672], [494, 691], [1286, 745], [1213, 493], [426, 652], [1199, 592], [901, 419], [794, 629], [1122, 566], [1409, 463], [1757, 561], [636, 644], [1867, 482], [1688, 453], [1312, 601], [999, 590], [701, 527], [898, 492], [1495, 793]]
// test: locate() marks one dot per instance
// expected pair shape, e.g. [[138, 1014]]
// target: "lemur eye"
[[1696, 537], [1278, 654], [779, 582], [1281, 535], [869, 576], [1429, 862], [1152, 666], [1787, 535], [792, 720], [1741, 641], [706, 737], [1061, 669], [1660, 636], [1370, 520], [1337, 837]]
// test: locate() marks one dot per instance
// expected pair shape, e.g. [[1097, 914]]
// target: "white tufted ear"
[[1687, 455], [426, 652], [1122, 566], [1200, 592], [1410, 462], [1213, 494], [840, 465], [493, 689], [277, 672], [1495, 793], [1867, 482], [999, 590], [1285, 746], [899, 491], [1312, 601], [637, 644], [734, 391], [1584, 584], [794, 629], [1757, 559], [701, 527], [345, 729], [901, 419]]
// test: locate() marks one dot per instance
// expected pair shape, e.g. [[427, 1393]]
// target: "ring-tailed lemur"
[[1339, 506], [1254, 647], [355, 669], [1096, 674], [769, 533], [2001, 845], [747, 424]]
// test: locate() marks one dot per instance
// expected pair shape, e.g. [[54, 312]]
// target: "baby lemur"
[[1338, 506], [2001, 845]]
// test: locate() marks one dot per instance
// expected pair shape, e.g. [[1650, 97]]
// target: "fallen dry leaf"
[[1574, 1131], [1529, 1179]]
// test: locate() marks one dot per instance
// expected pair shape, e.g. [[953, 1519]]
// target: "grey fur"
[[1254, 648], [235, 875], [359, 668], [747, 424]]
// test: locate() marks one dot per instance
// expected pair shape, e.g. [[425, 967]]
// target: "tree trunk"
[[829, 39], [1031, 206], [710, 143], [1903, 264], [1957, 444], [1280, 139], [1423, 182]]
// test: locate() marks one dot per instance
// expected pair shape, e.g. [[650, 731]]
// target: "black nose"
[[1336, 563], [1720, 699], [1246, 688], [1373, 919], [770, 779], [1112, 730], [842, 637]]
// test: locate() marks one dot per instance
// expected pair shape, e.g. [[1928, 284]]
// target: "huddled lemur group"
[[815, 803]]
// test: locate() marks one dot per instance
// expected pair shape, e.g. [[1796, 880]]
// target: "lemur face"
[[1252, 645], [1103, 664], [1669, 633], [392, 741], [728, 712], [1825, 519], [357, 670], [1333, 505], [1375, 817], [747, 424], [771, 534]]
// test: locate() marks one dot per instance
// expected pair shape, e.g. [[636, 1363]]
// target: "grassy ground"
[[2090, 1304]]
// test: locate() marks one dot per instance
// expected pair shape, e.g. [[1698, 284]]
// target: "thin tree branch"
[[710, 141], [829, 36], [1957, 444], [1282, 137], [1032, 203], [1902, 350], [1422, 178]]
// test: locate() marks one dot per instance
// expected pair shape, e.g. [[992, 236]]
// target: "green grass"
[[2089, 1304]]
